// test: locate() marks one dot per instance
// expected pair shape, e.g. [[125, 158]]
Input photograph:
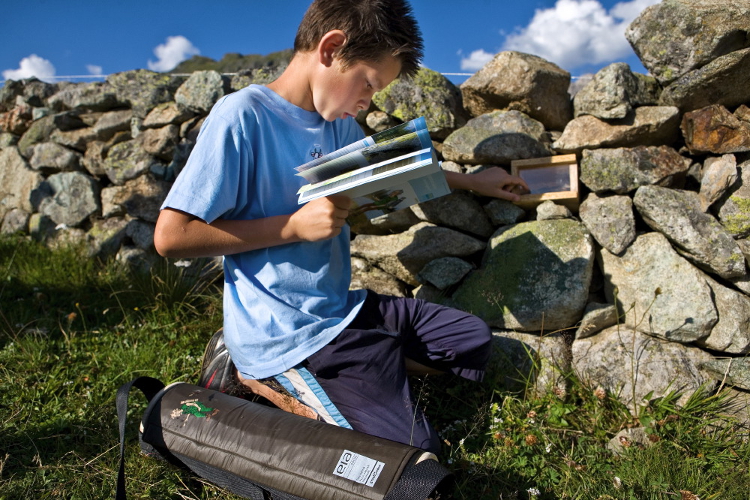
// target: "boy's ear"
[[329, 46]]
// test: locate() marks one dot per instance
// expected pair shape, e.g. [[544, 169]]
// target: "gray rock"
[[522, 82], [733, 210], [677, 214], [200, 92], [111, 123], [596, 317], [74, 197], [379, 121], [141, 233], [138, 260], [95, 96], [405, 254], [647, 126], [535, 276], [497, 138], [609, 95], [457, 210], [143, 90], [141, 198], [160, 142], [732, 371], [731, 334], [394, 222], [549, 210], [529, 363], [722, 81], [127, 160], [50, 157], [427, 94], [632, 365], [41, 227], [444, 272], [658, 292], [106, 237], [167, 113], [368, 277], [502, 212], [719, 174], [75, 139], [8, 139], [623, 170], [674, 37], [610, 221], [15, 221], [635, 437], [17, 182]]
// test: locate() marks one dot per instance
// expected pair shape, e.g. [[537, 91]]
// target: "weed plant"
[[73, 329]]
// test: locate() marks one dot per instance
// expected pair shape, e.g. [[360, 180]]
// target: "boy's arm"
[[494, 182], [182, 235]]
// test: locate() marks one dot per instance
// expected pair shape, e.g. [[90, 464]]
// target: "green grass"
[[72, 330]]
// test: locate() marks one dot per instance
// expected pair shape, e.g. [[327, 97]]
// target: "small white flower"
[[61, 227], [533, 492], [617, 482], [548, 448], [182, 263]]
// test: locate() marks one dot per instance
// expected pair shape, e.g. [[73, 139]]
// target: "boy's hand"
[[322, 218], [494, 181]]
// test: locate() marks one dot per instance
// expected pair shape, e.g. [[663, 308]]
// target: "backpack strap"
[[150, 387], [421, 481]]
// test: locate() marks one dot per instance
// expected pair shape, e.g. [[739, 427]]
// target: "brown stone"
[[714, 129]]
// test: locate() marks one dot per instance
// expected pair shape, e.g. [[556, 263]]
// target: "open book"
[[382, 173]]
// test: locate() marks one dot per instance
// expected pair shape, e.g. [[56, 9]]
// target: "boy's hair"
[[373, 28]]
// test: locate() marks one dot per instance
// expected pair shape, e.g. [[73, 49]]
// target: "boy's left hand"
[[493, 181]]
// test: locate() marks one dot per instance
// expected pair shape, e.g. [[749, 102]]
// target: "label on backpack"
[[358, 468]]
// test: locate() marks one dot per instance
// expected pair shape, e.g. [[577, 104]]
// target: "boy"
[[293, 329]]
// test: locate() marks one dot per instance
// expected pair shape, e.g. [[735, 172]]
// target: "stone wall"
[[644, 289]]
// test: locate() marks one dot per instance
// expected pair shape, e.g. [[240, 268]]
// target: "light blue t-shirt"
[[282, 303]]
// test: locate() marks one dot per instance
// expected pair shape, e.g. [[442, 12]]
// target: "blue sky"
[[57, 38]]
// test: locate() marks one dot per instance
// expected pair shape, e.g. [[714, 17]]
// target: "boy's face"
[[340, 94]]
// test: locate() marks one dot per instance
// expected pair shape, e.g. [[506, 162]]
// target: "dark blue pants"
[[363, 373]]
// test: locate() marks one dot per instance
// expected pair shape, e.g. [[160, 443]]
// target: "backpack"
[[263, 453]]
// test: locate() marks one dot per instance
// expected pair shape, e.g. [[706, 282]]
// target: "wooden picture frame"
[[550, 178]]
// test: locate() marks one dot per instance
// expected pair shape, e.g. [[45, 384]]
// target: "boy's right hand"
[[322, 218]]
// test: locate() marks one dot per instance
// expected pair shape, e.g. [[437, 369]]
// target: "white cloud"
[[31, 66], [476, 60], [578, 32], [173, 52], [93, 69]]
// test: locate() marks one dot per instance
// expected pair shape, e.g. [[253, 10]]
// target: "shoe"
[[217, 368]]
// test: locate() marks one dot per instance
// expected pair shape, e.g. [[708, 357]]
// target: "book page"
[[386, 135]]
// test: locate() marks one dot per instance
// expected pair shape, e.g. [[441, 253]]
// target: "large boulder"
[[497, 138], [623, 170], [634, 366], [72, 197], [200, 92], [675, 37], [458, 210], [646, 126], [677, 214], [95, 96], [535, 276], [143, 90], [722, 81], [405, 254], [610, 220], [658, 291], [733, 209], [714, 129], [614, 92], [427, 94], [17, 182], [522, 82], [140, 198]]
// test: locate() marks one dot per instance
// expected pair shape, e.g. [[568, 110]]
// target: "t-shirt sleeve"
[[207, 187]]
